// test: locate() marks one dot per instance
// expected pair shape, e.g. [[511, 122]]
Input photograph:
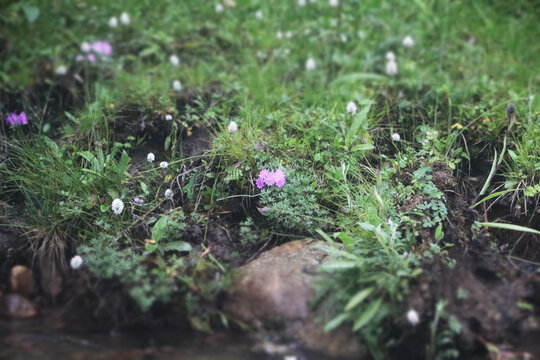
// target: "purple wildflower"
[[138, 201], [102, 47], [16, 120], [91, 58], [270, 178], [279, 178]]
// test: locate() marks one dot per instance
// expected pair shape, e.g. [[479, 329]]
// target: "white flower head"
[[61, 70], [233, 127], [301, 3], [219, 8], [351, 108], [163, 164], [150, 157], [261, 54], [361, 34], [86, 47], [229, 3], [408, 41], [333, 3], [391, 67], [279, 35], [168, 117], [289, 34], [413, 317], [390, 56], [286, 51], [396, 137], [177, 85], [307, 31], [169, 194], [174, 60], [113, 22], [343, 38], [124, 18], [117, 206], [310, 64], [76, 262], [259, 15]]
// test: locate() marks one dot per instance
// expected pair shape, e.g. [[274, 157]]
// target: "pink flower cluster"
[[16, 120], [271, 178], [100, 47]]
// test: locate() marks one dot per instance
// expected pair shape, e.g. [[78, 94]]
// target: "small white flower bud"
[[150, 157], [233, 127]]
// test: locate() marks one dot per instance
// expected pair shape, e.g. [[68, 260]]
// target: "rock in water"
[[21, 280], [18, 306], [275, 291]]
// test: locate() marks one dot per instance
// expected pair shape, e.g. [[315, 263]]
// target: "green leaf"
[[160, 228], [362, 147], [509, 227], [358, 298], [167, 142], [144, 188], [178, 246], [123, 164], [439, 233], [358, 120], [150, 247], [104, 208], [335, 322], [367, 315], [31, 13]]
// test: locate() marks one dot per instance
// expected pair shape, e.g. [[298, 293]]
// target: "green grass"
[[345, 174]]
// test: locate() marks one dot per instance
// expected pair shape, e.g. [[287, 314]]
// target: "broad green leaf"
[[178, 246], [123, 164], [335, 322], [159, 229], [362, 147], [144, 188], [367, 315], [31, 13], [358, 298]]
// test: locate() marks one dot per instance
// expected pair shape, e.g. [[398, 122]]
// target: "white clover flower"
[[113, 22], [61, 70], [390, 56], [86, 47], [286, 51], [117, 206], [259, 15], [233, 127], [333, 3], [351, 108], [174, 60], [163, 164], [150, 157], [310, 64], [261, 55], [288, 34], [76, 262], [307, 31], [177, 85], [124, 18], [361, 34], [219, 8], [408, 41], [413, 317], [391, 68], [344, 38], [279, 35], [168, 117], [169, 194], [396, 137], [301, 3]]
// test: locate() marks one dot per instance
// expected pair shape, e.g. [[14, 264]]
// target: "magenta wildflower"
[[270, 178], [102, 47], [138, 201], [279, 178], [16, 120]]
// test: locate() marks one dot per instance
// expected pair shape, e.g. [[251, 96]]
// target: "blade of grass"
[[509, 227]]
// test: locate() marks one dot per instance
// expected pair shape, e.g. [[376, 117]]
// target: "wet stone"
[[17, 306], [21, 280], [274, 293]]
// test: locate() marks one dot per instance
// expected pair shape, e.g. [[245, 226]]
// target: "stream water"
[[46, 338]]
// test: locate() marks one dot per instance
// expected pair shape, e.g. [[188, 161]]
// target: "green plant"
[[442, 338]]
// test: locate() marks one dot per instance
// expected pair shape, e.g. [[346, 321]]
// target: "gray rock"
[[274, 292]]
